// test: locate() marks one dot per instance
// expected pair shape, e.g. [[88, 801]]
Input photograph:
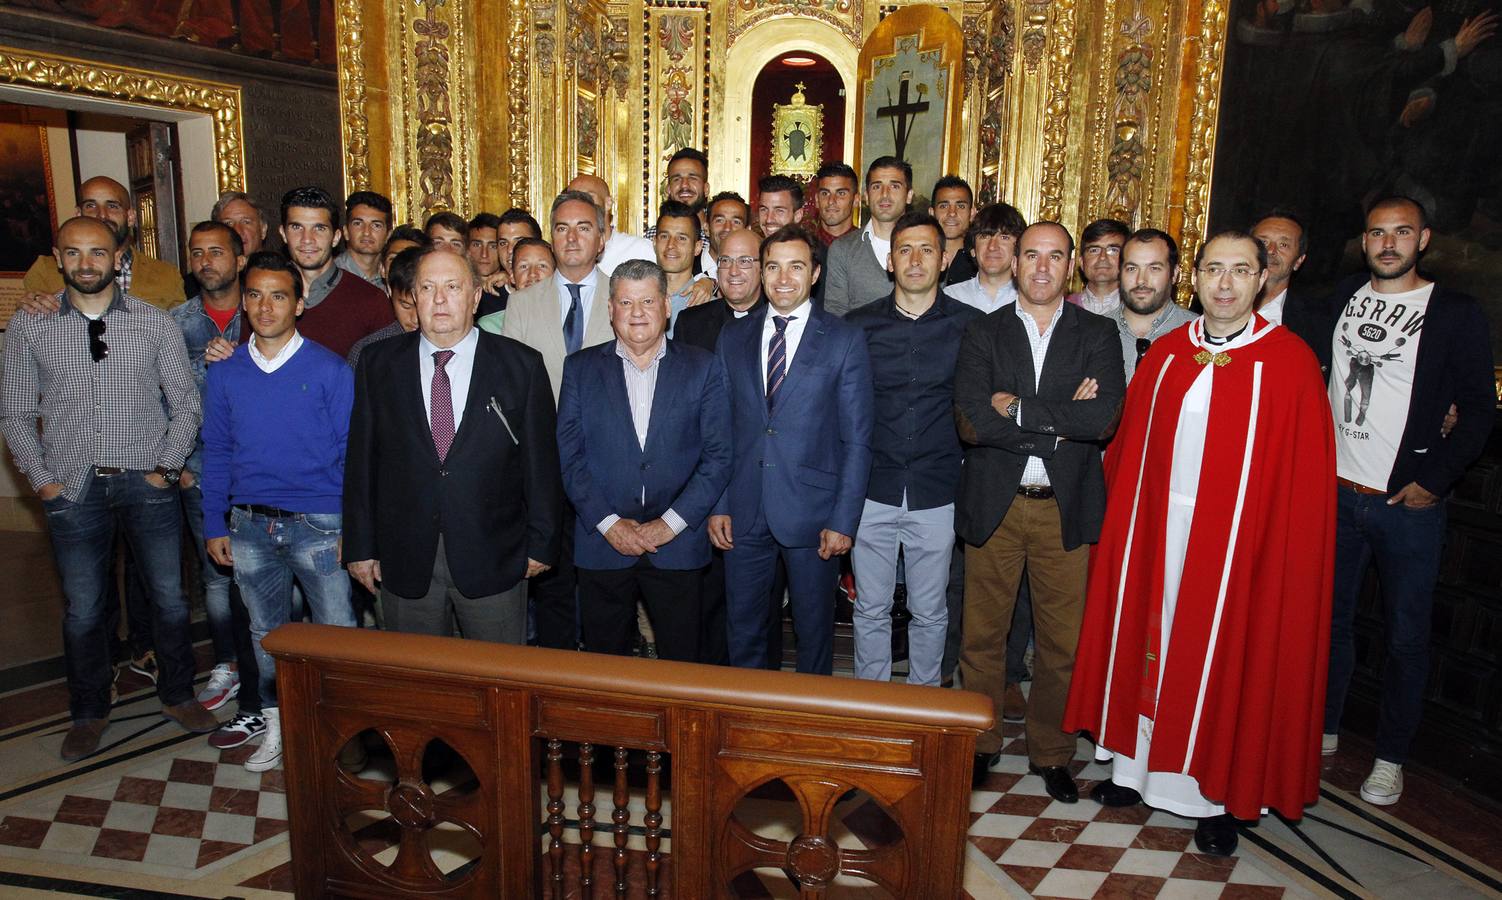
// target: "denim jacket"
[[198, 330]]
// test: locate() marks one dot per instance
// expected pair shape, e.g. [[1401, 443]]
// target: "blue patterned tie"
[[573, 324], [777, 358]]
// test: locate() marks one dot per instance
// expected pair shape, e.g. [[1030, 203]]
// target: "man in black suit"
[[738, 279], [452, 495], [1310, 317], [1038, 384]]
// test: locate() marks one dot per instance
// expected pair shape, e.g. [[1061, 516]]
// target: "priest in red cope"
[[1201, 662]]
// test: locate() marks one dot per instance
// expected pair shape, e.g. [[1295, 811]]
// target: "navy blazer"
[[804, 467], [684, 466]]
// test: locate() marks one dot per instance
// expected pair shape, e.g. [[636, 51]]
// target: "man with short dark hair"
[[401, 284], [1149, 276], [727, 211], [992, 244], [1283, 234], [857, 262], [82, 409], [779, 202], [913, 338], [158, 283], [448, 231], [1100, 265], [676, 242], [514, 225], [645, 482], [688, 178], [1037, 388], [451, 490], [801, 414], [275, 425], [836, 189], [953, 204], [483, 248], [402, 238], [1404, 350], [367, 222]]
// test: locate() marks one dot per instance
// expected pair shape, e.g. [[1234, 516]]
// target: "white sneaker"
[[223, 684], [1329, 744], [269, 754], [1385, 785]]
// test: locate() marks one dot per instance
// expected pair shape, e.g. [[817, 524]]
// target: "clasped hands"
[[632, 538], [831, 543]]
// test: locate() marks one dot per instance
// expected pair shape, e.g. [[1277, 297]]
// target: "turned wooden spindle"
[[555, 816], [653, 819], [586, 820], [622, 818]]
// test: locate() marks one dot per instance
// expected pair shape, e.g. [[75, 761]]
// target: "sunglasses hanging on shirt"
[[97, 347]]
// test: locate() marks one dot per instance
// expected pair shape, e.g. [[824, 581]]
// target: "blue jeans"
[[83, 543], [271, 551], [229, 623], [1406, 545]]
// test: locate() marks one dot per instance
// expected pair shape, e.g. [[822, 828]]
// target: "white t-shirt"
[[1375, 346]]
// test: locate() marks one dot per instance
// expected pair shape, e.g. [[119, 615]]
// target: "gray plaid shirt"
[[108, 413]]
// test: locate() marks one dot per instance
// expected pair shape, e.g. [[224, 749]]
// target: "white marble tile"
[[1043, 854], [1108, 834], [1000, 825], [1031, 785], [1070, 883], [167, 850], [130, 817], [1157, 863], [65, 838], [237, 777], [98, 790], [1011, 765], [187, 796], [272, 805], [980, 801], [1074, 812], [229, 828], [1187, 889], [1161, 819]]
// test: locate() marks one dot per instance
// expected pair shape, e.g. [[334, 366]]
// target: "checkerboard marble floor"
[[161, 811]]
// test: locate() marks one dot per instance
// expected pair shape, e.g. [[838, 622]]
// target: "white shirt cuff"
[[607, 523], [675, 522]]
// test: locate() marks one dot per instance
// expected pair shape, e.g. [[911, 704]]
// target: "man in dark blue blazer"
[[801, 408], [644, 443]]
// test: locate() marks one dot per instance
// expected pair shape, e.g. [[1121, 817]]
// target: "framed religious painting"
[[1326, 105], [28, 207]]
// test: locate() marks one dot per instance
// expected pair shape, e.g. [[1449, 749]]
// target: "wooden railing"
[[519, 717]]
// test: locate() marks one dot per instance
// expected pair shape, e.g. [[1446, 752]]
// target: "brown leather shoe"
[[191, 715], [83, 738], [1013, 704]]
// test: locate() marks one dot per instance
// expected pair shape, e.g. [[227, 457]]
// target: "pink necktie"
[[443, 404]]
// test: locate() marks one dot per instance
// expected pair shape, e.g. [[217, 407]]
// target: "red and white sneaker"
[[236, 731], [223, 685]]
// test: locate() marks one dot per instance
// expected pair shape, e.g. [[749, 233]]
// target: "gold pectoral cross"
[[1205, 356]]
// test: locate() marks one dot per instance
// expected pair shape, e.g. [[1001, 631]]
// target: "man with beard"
[[106, 380], [953, 204], [727, 212], [338, 308], [1100, 265], [857, 264], [1202, 655], [367, 222], [107, 200], [1405, 349], [1149, 271], [688, 178], [836, 188], [779, 202]]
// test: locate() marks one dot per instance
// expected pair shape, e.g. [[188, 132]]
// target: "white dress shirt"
[[1272, 310], [621, 247], [280, 359], [882, 247], [459, 368], [1101, 306], [1035, 473], [707, 262], [586, 296], [973, 293], [792, 335]]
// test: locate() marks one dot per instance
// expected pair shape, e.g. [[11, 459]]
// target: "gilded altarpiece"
[[675, 91]]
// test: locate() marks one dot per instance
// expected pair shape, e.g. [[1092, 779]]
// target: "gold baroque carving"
[[1056, 110], [847, 16], [543, 17], [615, 40], [1134, 80], [517, 105], [356, 126], [1201, 152], [221, 102], [1034, 33], [435, 139]]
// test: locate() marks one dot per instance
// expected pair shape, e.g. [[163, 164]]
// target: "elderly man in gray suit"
[[558, 316], [855, 271]]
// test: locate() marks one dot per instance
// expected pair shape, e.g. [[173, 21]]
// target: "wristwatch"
[[171, 476], [1013, 408]]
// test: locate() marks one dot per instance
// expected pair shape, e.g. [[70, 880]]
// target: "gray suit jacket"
[[852, 276], [533, 317]]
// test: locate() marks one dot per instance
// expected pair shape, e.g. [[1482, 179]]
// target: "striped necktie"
[[777, 359]]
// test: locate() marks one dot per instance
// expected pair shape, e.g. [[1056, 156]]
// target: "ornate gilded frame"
[[162, 90]]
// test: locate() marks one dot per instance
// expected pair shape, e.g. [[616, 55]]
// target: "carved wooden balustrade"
[[510, 713]]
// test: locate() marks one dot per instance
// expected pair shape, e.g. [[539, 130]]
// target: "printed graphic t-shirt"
[[1375, 346]]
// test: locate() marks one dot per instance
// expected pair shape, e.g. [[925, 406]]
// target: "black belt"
[[1035, 491], [272, 512], [109, 470]]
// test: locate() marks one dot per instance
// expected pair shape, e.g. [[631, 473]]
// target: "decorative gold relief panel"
[[221, 102], [846, 16], [674, 90]]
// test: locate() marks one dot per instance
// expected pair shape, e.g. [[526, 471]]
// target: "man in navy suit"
[[801, 412], [644, 441]]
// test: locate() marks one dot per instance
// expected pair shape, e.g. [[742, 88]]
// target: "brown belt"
[[1035, 492], [1359, 488]]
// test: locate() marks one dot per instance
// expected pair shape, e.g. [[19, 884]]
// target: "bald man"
[[106, 199], [619, 246]]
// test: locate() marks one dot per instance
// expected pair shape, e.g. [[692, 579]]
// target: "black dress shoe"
[[1216, 836], [1058, 782], [1109, 793], [983, 764]]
